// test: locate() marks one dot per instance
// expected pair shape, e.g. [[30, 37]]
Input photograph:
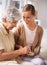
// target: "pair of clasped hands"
[[26, 50]]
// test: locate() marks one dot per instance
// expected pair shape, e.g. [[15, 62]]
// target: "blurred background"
[[40, 5]]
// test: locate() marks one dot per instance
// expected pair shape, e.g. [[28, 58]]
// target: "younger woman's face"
[[28, 17]]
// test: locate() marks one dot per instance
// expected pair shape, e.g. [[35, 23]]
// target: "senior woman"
[[7, 43]]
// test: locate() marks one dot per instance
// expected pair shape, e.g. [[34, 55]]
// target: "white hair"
[[12, 13]]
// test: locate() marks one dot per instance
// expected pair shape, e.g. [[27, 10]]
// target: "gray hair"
[[12, 13]]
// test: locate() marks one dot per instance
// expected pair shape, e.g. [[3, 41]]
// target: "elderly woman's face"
[[12, 24], [12, 16]]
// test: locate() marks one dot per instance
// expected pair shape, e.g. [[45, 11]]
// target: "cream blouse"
[[6, 39]]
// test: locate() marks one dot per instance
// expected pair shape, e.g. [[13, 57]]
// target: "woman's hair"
[[29, 7]]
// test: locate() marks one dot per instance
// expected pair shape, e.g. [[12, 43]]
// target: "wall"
[[41, 6]]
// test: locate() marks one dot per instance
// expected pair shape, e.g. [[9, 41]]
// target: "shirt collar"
[[3, 29]]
